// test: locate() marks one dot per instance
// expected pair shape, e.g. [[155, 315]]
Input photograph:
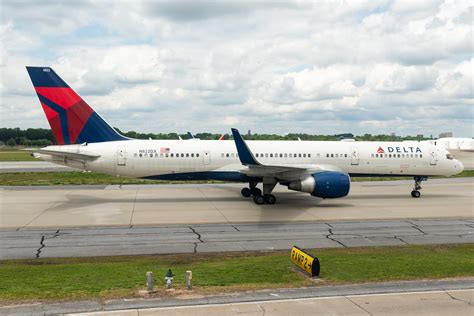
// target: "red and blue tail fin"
[[71, 119]]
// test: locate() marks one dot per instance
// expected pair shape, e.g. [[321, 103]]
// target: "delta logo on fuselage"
[[403, 149]]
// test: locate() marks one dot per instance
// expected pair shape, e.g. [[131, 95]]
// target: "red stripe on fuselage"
[[64, 97]]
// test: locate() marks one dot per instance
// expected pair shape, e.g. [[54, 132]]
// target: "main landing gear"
[[416, 190], [258, 198]]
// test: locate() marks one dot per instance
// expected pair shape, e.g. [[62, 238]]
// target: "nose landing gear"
[[416, 190]]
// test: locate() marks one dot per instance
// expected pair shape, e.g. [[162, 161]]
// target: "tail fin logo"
[[71, 119]]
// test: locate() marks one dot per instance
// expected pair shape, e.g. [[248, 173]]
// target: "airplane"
[[320, 168]]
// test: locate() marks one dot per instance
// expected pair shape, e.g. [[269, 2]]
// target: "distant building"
[[446, 134], [419, 136], [249, 133]]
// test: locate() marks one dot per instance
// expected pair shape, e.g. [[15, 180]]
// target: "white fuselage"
[[158, 158]]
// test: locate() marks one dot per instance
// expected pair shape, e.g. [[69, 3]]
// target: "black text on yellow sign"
[[305, 261]]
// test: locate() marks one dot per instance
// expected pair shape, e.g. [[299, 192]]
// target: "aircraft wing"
[[281, 172]]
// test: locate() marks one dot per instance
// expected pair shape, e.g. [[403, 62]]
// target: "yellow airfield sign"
[[305, 261]]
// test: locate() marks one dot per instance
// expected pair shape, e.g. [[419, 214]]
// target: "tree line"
[[44, 137]]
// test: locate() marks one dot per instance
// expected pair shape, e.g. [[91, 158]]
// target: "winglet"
[[245, 155], [190, 135]]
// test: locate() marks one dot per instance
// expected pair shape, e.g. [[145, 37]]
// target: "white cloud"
[[326, 67]]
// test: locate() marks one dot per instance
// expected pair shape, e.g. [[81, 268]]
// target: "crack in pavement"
[[399, 238], [42, 244], [262, 309], [335, 240], [458, 299], [38, 251], [348, 298], [198, 237]]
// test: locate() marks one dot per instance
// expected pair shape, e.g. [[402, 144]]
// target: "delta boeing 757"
[[322, 169]]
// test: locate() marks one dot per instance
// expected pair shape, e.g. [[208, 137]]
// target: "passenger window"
[[192, 154], [299, 155], [256, 155], [151, 155], [411, 155], [416, 155], [345, 155], [290, 155], [141, 155], [135, 155], [318, 155], [232, 155], [182, 155], [271, 155], [449, 156], [281, 155], [337, 155], [421, 156], [266, 155], [227, 155], [166, 155], [389, 155], [309, 155], [187, 155], [332, 155], [398, 155], [161, 155], [286, 155], [327, 155], [197, 155], [304, 155]]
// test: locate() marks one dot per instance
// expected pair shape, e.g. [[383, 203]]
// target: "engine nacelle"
[[325, 184]]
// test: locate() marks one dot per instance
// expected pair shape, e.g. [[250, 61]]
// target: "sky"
[[317, 67]]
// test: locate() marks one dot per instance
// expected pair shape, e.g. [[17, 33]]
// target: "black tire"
[[270, 199], [259, 199], [415, 193], [246, 192], [256, 191]]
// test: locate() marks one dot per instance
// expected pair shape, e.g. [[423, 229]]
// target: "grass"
[[13, 154], [113, 277], [73, 178], [78, 177]]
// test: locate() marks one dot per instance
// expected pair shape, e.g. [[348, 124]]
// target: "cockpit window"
[[449, 156]]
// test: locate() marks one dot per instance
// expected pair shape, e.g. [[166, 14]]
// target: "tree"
[[11, 142]]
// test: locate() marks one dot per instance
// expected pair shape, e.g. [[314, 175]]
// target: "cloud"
[[296, 66]]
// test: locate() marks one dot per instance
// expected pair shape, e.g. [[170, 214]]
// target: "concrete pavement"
[[132, 205]]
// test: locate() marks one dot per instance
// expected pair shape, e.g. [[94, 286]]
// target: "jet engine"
[[325, 184]]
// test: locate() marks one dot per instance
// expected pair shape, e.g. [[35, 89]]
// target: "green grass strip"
[[77, 178], [112, 277]]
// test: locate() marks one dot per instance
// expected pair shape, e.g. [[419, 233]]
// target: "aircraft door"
[[433, 158], [354, 156], [206, 156], [121, 156]]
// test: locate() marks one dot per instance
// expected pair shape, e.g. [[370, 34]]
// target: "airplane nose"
[[459, 166]]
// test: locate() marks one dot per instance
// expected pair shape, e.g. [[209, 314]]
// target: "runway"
[[127, 220], [32, 166], [89, 242], [135, 205]]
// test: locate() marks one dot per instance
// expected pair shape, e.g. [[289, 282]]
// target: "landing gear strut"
[[253, 190], [416, 190], [258, 198]]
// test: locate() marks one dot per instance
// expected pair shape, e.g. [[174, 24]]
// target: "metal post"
[[149, 281], [189, 280]]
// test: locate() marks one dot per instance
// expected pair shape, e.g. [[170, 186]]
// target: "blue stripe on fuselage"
[[233, 176]]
